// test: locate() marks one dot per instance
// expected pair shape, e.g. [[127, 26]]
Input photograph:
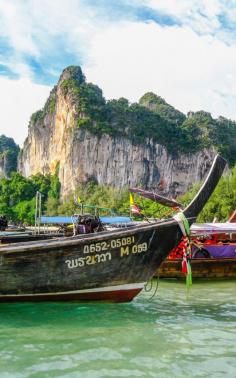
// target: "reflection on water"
[[170, 335]]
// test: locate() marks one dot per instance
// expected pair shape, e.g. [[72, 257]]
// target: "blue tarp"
[[57, 220], [110, 220], [69, 220]]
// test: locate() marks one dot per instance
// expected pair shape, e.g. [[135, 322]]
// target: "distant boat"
[[213, 252], [107, 265], [9, 237]]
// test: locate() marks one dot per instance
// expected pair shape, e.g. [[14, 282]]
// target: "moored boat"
[[24, 236], [213, 253], [202, 268], [107, 265]]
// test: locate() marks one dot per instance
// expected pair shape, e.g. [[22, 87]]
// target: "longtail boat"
[[202, 268], [108, 265], [213, 252]]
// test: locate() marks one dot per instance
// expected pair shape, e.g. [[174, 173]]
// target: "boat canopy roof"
[[213, 228], [69, 220]]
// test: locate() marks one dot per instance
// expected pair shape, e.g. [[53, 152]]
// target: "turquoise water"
[[168, 336]]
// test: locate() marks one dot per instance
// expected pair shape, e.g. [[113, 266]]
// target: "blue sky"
[[183, 50]]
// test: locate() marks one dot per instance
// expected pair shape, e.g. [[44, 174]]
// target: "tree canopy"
[[17, 198], [17, 195]]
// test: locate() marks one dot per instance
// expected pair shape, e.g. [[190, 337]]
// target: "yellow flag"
[[131, 199], [78, 199]]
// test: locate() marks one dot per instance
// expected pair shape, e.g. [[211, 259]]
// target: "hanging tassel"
[[186, 266], [184, 260], [189, 275]]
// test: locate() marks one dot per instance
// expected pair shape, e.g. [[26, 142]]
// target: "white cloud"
[[188, 70], [16, 26], [19, 99], [200, 15], [190, 66], [31, 27]]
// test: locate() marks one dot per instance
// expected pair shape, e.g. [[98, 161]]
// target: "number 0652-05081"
[[110, 244]]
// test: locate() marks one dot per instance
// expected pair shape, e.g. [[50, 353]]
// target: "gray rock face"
[[79, 156], [56, 144], [2, 167]]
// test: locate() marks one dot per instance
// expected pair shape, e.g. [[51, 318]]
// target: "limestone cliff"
[[8, 156], [78, 137]]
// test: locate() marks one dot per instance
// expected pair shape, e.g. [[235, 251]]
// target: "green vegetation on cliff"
[[9, 151], [48, 109], [158, 105], [151, 118]]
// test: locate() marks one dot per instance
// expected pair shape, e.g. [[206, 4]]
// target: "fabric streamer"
[[186, 266]]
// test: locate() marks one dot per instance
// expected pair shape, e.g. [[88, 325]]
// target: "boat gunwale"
[[200, 260]]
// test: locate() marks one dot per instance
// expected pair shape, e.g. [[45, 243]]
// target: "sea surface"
[[170, 334]]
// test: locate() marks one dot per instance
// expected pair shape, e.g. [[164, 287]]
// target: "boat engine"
[[87, 223], [3, 223]]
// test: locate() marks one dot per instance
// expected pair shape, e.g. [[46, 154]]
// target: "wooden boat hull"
[[220, 268], [118, 293], [106, 266]]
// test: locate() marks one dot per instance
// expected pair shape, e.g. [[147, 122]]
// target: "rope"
[[156, 288], [146, 288], [149, 288]]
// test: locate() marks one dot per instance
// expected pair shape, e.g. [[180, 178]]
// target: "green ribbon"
[[183, 223]]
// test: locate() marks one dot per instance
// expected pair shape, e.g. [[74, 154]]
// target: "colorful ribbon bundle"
[[186, 266]]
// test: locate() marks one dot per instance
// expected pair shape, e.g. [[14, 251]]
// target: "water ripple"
[[190, 334]]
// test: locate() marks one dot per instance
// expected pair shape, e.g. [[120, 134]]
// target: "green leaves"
[[222, 202], [8, 152], [17, 195], [17, 198]]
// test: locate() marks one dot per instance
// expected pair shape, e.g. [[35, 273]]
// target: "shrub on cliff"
[[9, 151]]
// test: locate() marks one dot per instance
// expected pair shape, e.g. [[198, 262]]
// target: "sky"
[[182, 50]]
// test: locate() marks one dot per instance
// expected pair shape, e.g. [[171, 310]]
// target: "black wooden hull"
[[105, 266]]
